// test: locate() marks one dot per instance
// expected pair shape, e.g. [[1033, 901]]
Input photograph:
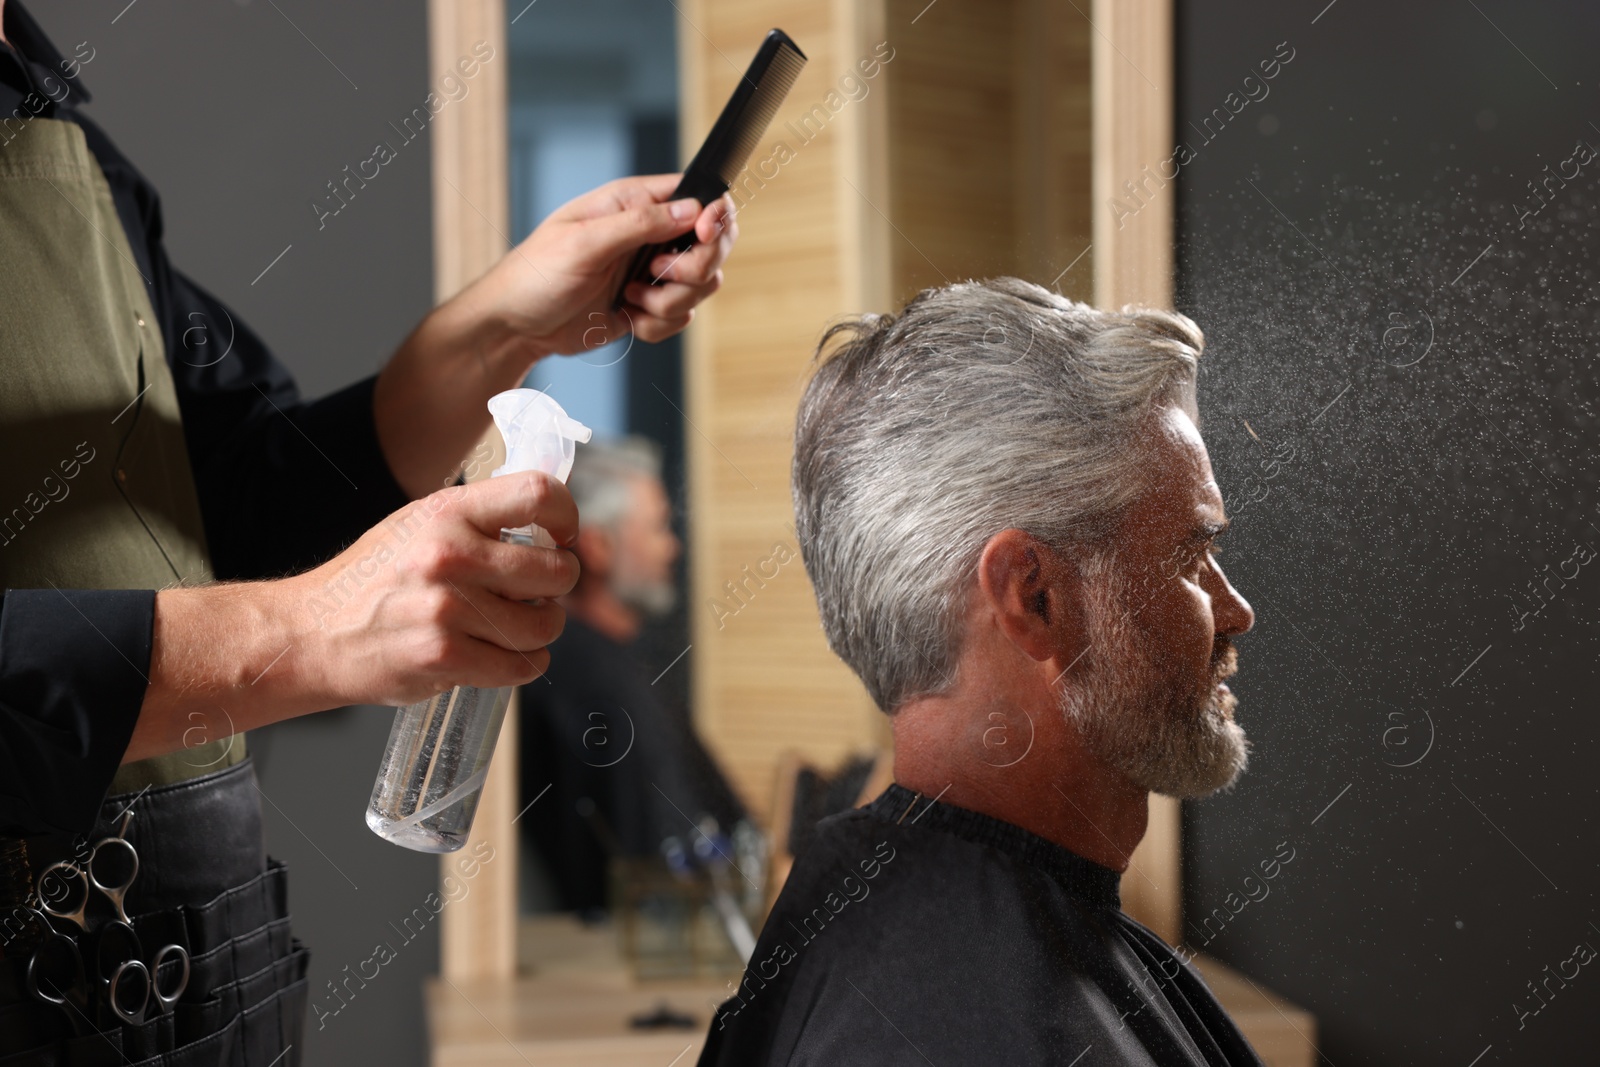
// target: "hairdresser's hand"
[[431, 598], [426, 600], [550, 294], [556, 287]]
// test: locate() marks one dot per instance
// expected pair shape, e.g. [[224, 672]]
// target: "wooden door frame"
[[471, 223], [1134, 98]]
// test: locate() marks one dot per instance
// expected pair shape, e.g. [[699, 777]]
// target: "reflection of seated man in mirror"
[[624, 772], [1007, 513]]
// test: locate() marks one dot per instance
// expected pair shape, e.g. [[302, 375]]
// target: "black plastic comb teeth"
[[732, 139]]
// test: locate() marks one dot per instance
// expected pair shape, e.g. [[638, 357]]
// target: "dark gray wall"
[[1425, 749], [240, 116]]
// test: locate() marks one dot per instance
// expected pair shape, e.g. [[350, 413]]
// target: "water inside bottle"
[[434, 767]]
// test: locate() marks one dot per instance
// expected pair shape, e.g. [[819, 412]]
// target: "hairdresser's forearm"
[[225, 659], [429, 403]]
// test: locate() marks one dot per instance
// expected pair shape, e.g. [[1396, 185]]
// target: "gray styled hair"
[[981, 407], [602, 477]]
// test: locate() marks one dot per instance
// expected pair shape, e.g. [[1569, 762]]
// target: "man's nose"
[[1232, 613]]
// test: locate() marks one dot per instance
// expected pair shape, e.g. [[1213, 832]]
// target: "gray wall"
[[240, 118], [1427, 754]]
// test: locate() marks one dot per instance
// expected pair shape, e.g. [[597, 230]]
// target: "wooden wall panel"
[[765, 681], [989, 160], [1054, 122], [952, 142]]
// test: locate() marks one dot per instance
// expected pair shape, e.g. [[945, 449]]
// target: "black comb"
[[727, 147]]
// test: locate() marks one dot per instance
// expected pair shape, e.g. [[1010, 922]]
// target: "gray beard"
[[653, 600], [1183, 745]]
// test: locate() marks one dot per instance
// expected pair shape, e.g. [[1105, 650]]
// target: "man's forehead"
[[1182, 492]]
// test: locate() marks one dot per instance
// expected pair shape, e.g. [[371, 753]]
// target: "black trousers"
[[205, 883]]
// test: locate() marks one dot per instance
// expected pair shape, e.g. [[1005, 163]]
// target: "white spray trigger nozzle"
[[539, 434]]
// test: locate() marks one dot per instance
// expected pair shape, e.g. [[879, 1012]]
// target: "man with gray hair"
[[1008, 516], [624, 770]]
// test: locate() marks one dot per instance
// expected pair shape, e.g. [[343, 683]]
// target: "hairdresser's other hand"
[[431, 598], [556, 287]]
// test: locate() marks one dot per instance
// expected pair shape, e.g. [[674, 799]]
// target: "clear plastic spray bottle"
[[434, 768]]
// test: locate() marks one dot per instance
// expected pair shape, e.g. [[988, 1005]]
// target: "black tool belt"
[[204, 883]]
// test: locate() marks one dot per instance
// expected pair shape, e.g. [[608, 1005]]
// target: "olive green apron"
[[96, 491]]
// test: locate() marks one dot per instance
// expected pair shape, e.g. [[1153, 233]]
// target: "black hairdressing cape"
[[912, 932]]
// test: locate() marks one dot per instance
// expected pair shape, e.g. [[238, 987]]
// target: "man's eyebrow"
[[1208, 531]]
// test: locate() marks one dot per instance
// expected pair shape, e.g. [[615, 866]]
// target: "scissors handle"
[[127, 992], [56, 896], [114, 890], [166, 996], [117, 971], [55, 976]]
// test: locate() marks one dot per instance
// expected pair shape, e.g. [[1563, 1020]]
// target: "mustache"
[[1224, 659]]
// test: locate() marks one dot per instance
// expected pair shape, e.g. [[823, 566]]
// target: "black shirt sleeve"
[[72, 678]]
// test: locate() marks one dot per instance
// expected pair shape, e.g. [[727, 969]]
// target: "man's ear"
[[1030, 590]]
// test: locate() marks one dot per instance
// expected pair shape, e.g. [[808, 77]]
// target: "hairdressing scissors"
[[55, 976], [117, 990], [57, 881], [116, 968], [130, 988]]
